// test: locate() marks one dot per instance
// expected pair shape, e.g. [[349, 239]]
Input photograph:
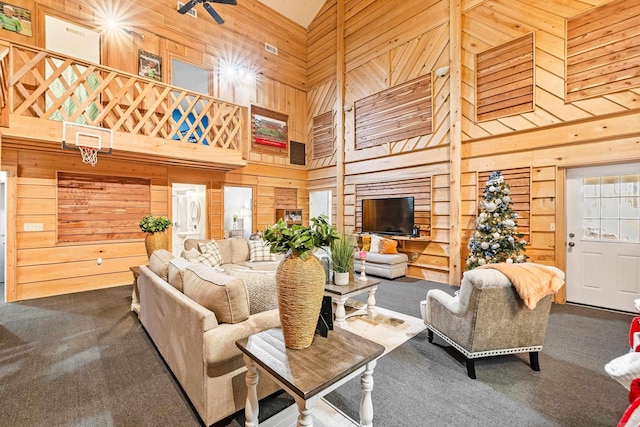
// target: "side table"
[[310, 373], [340, 294], [135, 297]]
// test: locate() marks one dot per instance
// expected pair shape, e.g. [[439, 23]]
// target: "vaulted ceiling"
[[299, 11]]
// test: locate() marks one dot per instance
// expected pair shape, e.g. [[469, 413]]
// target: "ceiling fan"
[[205, 3]]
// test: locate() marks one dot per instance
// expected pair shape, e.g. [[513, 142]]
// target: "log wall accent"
[[321, 45], [603, 50], [400, 112], [95, 207], [323, 135], [505, 79], [286, 198], [419, 189]]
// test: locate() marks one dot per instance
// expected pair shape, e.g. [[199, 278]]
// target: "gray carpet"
[[84, 360]]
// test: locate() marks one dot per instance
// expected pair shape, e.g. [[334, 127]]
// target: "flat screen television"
[[392, 216]]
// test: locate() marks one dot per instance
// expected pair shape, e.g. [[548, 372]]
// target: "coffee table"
[[340, 294], [310, 373]]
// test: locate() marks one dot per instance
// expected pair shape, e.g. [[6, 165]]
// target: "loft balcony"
[[150, 121]]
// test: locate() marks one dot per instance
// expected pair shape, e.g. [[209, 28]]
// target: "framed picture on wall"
[[15, 19], [149, 65]]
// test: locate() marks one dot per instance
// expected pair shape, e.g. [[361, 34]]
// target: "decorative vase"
[[341, 279], [300, 287], [154, 241]]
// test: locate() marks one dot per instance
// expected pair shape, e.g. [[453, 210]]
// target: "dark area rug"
[[84, 360]]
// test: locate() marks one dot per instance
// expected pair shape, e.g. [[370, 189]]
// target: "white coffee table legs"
[[305, 407], [341, 312], [366, 405], [251, 408]]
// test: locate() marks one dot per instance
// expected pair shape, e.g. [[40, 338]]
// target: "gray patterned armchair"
[[487, 317]]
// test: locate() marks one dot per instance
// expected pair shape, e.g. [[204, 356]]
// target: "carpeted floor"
[[84, 360]]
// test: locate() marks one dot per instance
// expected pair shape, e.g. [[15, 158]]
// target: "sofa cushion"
[[211, 248], [388, 246], [190, 254], [175, 272], [261, 288], [221, 293], [225, 250], [259, 250], [158, 262], [239, 250]]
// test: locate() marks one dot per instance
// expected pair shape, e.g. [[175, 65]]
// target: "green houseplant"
[[300, 277], [156, 229], [342, 258]]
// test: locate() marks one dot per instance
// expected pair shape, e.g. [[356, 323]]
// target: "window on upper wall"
[[401, 112], [505, 79], [603, 50]]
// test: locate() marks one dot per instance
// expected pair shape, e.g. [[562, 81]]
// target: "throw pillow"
[[261, 287], [260, 251], [375, 243], [190, 254], [158, 262], [388, 246], [210, 248], [208, 259], [225, 295], [366, 243]]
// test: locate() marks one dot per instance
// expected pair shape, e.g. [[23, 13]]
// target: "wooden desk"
[[310, 373], [340, 295]]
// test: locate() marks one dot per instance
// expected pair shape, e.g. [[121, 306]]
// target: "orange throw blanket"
[[532, 281]]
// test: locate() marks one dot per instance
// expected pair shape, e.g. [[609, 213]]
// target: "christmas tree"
[[496, 238]]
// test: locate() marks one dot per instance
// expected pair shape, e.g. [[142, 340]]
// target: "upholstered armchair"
[[488, 317]]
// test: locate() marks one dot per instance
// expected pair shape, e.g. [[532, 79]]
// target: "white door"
[[603, 236], [188, 213]]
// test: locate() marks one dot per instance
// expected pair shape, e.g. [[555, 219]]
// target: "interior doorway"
[[320, 204], [603, 236], [238, 211], [188, 213]]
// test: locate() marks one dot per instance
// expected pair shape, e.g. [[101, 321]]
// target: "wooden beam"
[[455, 143], [340, 85]]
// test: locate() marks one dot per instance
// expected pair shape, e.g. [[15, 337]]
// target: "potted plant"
[[300, 277], [342, 258], [156, 229], [235, 221]]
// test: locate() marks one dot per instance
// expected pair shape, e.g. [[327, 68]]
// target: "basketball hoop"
[[89, 155], [89, 140]]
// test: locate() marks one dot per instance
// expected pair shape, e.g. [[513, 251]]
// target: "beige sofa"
[[194, 315], [237, 254]]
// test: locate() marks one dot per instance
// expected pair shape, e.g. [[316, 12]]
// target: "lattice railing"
[[51, 86]]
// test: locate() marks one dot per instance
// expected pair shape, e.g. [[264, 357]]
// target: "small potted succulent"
[[156, 229]]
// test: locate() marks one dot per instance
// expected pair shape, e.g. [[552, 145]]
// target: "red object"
[[635, 327], [263, 141]]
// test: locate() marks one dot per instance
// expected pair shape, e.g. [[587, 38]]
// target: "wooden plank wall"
[[558, 134], [46, 267], [387, 44]]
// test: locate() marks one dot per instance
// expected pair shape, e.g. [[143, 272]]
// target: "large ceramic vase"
[[300, 287], [154, 241]]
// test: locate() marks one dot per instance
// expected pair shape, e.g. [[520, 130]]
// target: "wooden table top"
[[354, 285], [308, 371]]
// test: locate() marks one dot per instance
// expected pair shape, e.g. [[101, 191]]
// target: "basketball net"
[[89, 155]]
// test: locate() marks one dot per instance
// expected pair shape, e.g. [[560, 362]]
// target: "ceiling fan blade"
[[213, 13], [231, 2], [187, 6]]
